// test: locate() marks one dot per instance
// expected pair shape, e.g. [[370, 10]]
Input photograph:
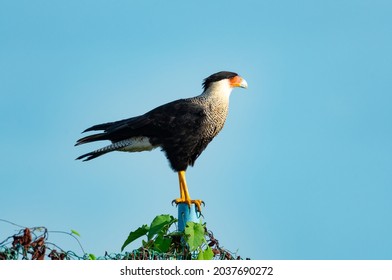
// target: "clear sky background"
[[301, 170]]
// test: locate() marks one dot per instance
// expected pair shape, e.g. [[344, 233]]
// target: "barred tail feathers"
[[135, 144]]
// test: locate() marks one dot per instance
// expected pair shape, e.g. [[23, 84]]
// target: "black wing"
[[157, 124]]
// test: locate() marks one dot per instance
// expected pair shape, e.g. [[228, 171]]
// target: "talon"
[[197, 203]]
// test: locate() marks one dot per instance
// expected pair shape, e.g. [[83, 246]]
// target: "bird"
[[182, 129]]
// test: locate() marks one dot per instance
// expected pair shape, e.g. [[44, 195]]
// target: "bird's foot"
[[197, 202]]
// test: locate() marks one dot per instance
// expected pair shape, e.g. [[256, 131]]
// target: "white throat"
[[220, 90]]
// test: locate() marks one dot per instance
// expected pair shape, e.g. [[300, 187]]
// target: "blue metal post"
[[186, 214]]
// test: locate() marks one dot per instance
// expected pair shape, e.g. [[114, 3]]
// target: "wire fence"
[[33, 244]]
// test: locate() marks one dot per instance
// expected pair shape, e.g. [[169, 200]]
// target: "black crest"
[[217, 77]]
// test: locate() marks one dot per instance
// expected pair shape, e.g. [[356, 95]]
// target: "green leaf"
[[133, 235], [160, 225], [92, 257], [207, 254], [75, 232], [194, 235], [162, 244]]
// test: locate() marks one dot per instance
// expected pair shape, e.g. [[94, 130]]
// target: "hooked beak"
[[243, 84]]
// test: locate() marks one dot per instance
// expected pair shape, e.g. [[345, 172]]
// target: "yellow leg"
[[184, 193]]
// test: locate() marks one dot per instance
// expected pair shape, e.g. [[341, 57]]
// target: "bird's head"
[[224, 79]]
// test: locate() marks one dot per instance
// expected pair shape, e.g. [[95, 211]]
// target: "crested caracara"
[[182, 128]]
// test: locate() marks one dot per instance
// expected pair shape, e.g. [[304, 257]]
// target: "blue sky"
[[301, 170]]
